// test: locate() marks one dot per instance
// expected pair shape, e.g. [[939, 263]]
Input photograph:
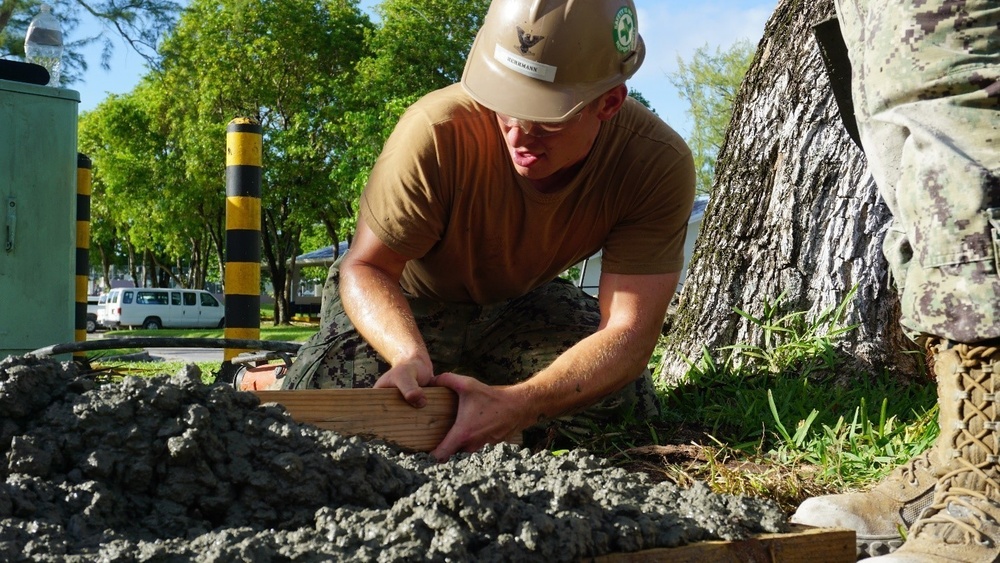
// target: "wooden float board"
[[372, 413], [802, 544]]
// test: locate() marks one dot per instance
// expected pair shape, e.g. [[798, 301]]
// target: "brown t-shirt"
[[444, 193]]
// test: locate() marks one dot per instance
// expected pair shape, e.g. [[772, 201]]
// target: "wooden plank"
[[803, 543], [372, 413]]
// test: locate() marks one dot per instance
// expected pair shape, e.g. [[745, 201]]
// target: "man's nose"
[[520, 134]]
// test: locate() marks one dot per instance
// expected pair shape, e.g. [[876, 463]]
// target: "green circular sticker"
[[624, 32]]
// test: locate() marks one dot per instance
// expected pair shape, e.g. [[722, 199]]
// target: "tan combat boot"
[[963, 522], [881, 515]]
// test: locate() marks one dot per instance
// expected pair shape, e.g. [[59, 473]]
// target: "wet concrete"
[[169, 469]]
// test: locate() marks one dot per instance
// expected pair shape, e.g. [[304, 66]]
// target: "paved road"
[[177, 354], [187, 354]]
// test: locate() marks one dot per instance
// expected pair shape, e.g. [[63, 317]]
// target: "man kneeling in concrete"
[[484, 194]]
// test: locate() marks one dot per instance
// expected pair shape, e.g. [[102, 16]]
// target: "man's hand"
[[369, 289], [486, 415], [409, 377]]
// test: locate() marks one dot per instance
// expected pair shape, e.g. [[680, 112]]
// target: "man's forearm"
[[632, 312], [595, 367], [379, 310]]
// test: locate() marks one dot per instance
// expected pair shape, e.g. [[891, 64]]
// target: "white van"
[[95, 311], [154, 308]]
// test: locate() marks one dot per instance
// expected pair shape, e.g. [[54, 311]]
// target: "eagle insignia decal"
[[527, 40]]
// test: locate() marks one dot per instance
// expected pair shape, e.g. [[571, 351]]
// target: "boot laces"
[[910, 470], [974, 453], [956, 507]]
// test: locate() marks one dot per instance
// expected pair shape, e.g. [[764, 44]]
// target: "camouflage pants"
[[498, 344], [926, 89]]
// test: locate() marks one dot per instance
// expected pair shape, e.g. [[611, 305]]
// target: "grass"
[[781, 419], [294, 333], [117, 362]]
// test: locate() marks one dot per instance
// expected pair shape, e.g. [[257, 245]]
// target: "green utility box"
[[38, 217]]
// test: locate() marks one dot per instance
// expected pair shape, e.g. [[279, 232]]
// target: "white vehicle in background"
[[100, 311], [156, 308], [95, 312]]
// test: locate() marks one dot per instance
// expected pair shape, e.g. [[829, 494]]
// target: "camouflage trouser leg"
[[926, 88], [498, 344]]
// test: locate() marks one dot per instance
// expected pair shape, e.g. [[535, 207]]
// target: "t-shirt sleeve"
[[401, 202], [650, 238]]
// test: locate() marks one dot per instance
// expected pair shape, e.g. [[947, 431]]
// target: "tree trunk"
[[164, 273], [132, 269], [105, 268], [279, 247], [793, 212]]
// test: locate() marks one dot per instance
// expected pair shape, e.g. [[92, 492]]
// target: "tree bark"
[[278, 247], [793, 212]]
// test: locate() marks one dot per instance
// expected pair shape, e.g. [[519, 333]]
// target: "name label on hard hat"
[[527, 67]]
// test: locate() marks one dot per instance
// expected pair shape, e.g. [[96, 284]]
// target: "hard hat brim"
[[518, 94]]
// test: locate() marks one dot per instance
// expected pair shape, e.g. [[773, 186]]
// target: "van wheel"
[[91, 324], [152, 323], [222, 322]]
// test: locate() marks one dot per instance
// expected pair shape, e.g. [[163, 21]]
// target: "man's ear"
[[611, 101]]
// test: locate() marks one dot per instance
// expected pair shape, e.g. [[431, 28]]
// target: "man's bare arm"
[[632, 312], [369, 288]]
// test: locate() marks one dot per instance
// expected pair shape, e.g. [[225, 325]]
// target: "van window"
[[151, 298], [126, 297], [175, 298], [209, 300], [190, 298]]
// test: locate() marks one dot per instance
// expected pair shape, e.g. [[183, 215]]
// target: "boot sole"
[[876, 546]]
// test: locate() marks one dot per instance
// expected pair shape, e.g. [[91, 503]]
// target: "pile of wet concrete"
[[168, 468]]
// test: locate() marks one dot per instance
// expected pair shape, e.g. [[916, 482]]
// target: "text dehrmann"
[[527, 67], [530, 68]]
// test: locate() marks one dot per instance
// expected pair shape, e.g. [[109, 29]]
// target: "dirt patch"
[[167, 468]]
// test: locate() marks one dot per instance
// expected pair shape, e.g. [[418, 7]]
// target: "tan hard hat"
[[544, 60]]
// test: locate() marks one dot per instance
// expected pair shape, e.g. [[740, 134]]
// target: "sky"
[[670, 29]]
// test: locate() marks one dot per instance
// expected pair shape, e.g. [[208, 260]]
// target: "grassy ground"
[[783, 420], [776, 421], [120, 360], [745, 430]]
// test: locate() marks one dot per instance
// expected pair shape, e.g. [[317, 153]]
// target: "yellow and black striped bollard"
[[244, 147], [82, 272]]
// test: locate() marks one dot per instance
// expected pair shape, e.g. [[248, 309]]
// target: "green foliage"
[[791, 341], [789, 402], [709, 83], [143, 201], [861, 450], [324, 82], [118, 362], [286, 333], [287, 65], [420, 46], [641, 99], [140, 23], [572, 274]]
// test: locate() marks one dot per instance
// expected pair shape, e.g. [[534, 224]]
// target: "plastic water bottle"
[[43, 43]]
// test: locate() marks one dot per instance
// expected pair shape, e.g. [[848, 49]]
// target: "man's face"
[[540, 151]]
